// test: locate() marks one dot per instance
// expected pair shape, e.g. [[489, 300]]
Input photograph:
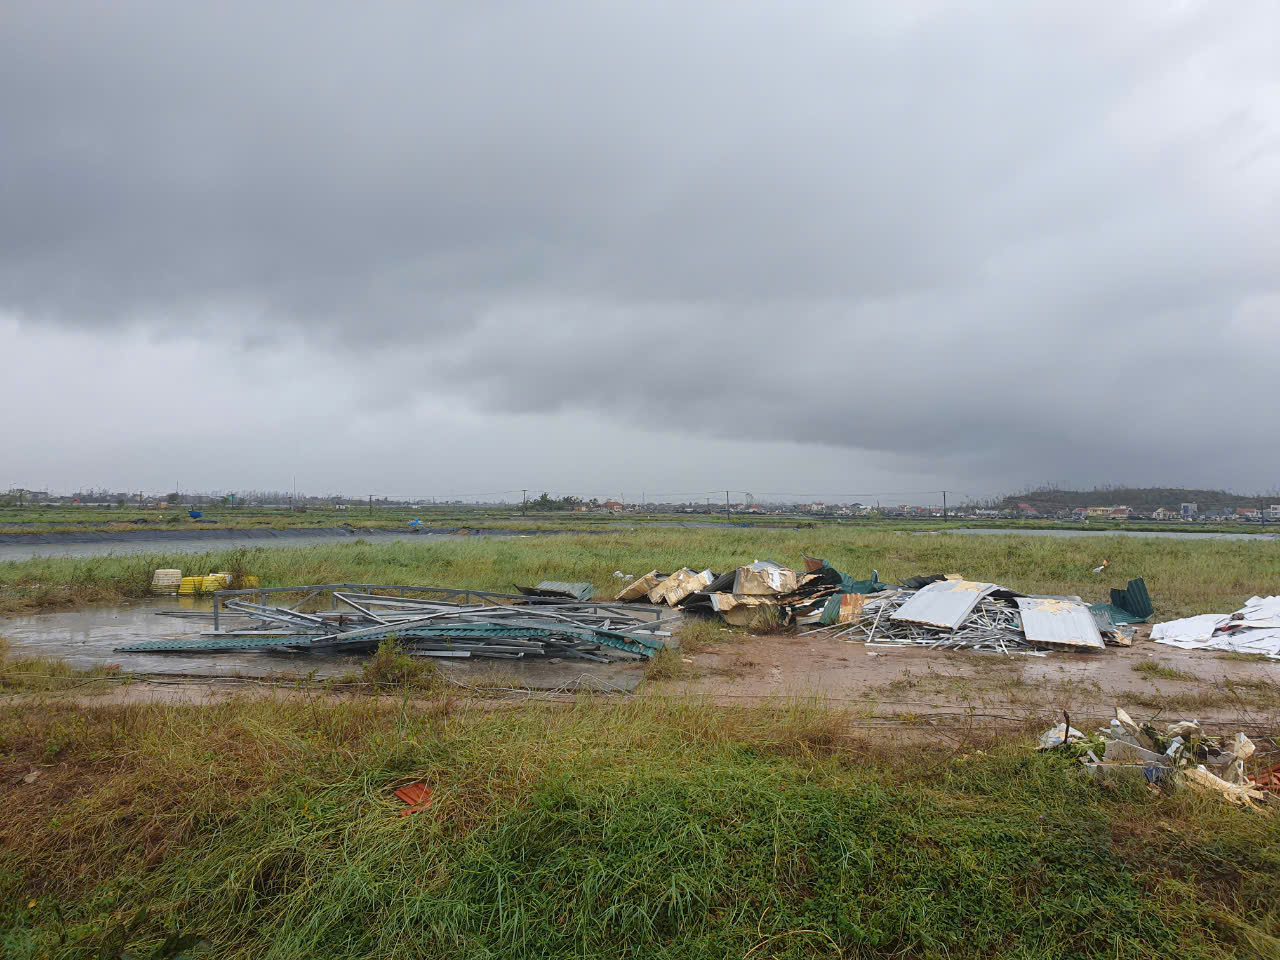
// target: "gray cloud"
[[966, 244]]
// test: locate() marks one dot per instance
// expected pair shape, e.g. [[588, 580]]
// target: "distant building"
[[1248, 513], [612, 505], [1097, 511], [1166, 513], [1119, 513], [1189, 510], [1273, 513]]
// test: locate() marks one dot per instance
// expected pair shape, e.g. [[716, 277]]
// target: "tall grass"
[[602, 829], [1183, 577]]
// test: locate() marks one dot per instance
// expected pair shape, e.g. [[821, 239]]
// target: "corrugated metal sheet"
[[640, 587], [763, 578], [689, 585], [1058, 623], [559, 588], [740, 609], [659, 593], [945, 603]]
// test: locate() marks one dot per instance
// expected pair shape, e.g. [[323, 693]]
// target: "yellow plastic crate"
[[190, 586], [215, 581]]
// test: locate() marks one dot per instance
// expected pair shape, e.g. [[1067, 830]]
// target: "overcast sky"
[[826, 249]]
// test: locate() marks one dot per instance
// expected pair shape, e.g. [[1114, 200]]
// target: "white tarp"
[[1194, 629], [1255, 628]]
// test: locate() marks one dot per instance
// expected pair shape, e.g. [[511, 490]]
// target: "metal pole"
[[944, 504], [727, 514]]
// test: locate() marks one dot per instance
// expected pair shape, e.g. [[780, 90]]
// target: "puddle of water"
[[88, 638]]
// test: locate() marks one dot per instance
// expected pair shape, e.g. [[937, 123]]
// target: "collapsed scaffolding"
[[425, 621]]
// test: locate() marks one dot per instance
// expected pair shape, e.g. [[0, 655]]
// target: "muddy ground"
[[878, 686], [1147, 679]]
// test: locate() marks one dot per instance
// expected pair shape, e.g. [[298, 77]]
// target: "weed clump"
[[697, 632], [666, 664], [1160, 669], [391, 666]]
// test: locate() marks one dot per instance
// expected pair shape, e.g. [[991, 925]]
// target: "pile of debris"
[[1182, 751], [944, 612], [956, 614], [742, 595], [1254, 628], [500, 626]]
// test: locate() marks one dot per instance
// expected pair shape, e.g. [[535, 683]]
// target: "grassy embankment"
[[1184, 577], [602, 829], [30, 520]]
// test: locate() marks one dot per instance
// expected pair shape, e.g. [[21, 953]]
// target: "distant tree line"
[[1136, 497], [547, 503]]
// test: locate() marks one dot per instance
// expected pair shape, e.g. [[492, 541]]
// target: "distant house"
[[1166, 513], [1119, 513], [1097, 511], [1248, 513], [613, 506], [1189, 510], [1273, 513]]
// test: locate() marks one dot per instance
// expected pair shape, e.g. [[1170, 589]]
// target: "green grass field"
[[26, 520], [1184, 577], [601, 829], [646, 827]]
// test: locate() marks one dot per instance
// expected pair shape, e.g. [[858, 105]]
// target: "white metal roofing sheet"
[[1058, 623], [945, 603]]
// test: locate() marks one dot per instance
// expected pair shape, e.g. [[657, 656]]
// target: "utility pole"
[[371, 504], [524, 499], [727, 514], [944, 504]]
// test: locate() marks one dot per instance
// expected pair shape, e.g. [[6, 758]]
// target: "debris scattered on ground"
[[31, 777], [1057, 736], [438, 622], [936, 610], [1254, 628], [417, 795], [1180, 752], [1268, 780]]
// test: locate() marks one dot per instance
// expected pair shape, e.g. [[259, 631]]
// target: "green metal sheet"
[[1134, 600], [214, 644]]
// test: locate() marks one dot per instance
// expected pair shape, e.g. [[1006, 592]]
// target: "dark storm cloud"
[[973, 234]]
